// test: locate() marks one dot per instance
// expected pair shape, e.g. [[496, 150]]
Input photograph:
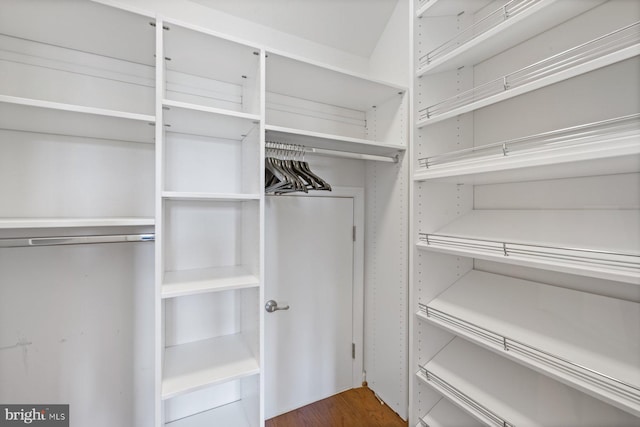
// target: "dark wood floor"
[[353, 408]]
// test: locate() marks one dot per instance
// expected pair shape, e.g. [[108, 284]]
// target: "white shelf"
[[606, 147], [302, 79], [597, 243], [494, 33], [495, 390], [190, 282], [14, 223], [446, 414], [29, 115], [192, 366], [603, 51], [214, 197], [331, 142], [587, 341], [231, 415], [182, 117], [430, 8]]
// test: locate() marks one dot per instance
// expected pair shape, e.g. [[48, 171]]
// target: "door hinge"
[[354, 233], [353, 350]]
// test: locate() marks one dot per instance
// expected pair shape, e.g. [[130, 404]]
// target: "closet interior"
[[501, 181], [132, 224], [526, 256]]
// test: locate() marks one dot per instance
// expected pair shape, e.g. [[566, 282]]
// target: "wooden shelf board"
[[14, 223], [508, 33], [447, 414], [222, 197], [611, 155], [192, 366], [190, 282], [299, 78], [518, 395], [597, 332], [31, 115], [606, 230], [613, 231], [231, 415], [182, 117], [331, 142], [577, 70]]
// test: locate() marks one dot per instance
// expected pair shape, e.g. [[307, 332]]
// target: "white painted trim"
[[357, 194]]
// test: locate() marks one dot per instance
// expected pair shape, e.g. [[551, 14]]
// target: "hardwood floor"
[[353, 408]]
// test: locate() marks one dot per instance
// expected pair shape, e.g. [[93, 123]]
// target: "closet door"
[[77, 212], [310, 269], [525, 265]]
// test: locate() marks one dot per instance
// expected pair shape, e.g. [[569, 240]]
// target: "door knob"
[[272, 306]]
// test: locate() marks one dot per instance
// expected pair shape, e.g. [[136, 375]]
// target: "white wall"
[[389, 61], [245, 31]]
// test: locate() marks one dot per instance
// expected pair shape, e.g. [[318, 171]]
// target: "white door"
[[309, 267]]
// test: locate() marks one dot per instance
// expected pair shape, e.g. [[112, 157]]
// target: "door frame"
[[357, 194]]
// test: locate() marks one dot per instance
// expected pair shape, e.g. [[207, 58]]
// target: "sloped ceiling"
[[353, 26]]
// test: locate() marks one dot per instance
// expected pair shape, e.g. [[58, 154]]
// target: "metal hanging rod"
[[604, 381], [279, 146], [75, 240]]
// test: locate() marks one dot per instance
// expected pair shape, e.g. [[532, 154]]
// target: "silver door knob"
[[272, 306]]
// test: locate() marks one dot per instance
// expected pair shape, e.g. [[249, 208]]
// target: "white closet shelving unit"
[[76, 94], [210, 209], [77, 149], [333, 111], [525, 212], [499, 393]]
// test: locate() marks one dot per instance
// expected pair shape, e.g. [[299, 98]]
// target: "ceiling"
[[353, 26]]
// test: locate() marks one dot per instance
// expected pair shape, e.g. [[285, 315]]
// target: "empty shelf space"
[[182, 117], [113, 33], [504, 393], [192, 51], [324, 141], [596, 243], [15, 223], [587, 341], [192, 366], [231, 415], [608, 146], [205, 69], [446, 414], [29, 115], [500, 29], [301, 79], [218, 279], [429, 8], [234, 197], [600, 52]]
